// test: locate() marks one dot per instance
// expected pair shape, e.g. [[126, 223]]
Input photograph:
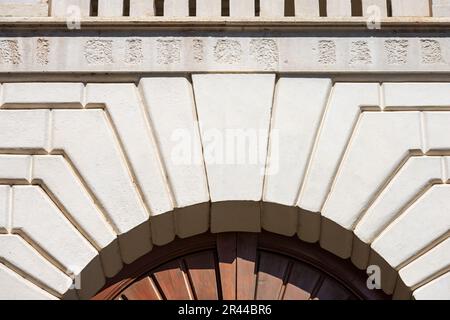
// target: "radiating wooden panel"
[[271, 272], [331, 290], [172, 282], [246, 265], [143, 289], [226, 252], [301, 282], [202, 272]]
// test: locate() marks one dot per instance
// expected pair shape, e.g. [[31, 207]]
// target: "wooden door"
[[239, 266]]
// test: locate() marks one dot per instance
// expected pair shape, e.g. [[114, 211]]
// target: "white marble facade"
[[112, 142]]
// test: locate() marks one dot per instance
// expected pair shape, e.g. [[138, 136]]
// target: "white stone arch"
[[97, 159]]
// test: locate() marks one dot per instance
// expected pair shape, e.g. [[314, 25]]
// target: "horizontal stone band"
[[243, 52]]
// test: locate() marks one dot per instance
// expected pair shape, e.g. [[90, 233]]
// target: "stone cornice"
[[226, 23], [193, 44]]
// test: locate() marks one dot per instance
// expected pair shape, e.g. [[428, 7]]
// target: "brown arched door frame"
[[237, 255]]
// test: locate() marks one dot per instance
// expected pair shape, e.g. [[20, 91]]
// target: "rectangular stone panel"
[[405, 8], [110, 8], [371, 8], [176, 8], [271, 8], [341, 8], [39, 95], [307, 8], [64, 8], [419, 95], [15, 168], [23, 8], [441, 8], [209, 8], [142, 8], [24, 130], [242, 8]]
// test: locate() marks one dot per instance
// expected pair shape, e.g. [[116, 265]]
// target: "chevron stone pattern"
[[93, 175]]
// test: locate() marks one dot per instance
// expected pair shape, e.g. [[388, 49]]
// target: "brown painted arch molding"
[[239, 266]]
